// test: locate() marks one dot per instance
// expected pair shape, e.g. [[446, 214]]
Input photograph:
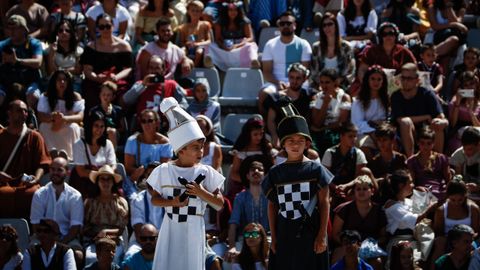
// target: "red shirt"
[[376, 55], [154, 94]]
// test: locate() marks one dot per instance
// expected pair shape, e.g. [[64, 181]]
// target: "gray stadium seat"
[[233, 123], [241, 87], [311, 36], [23, 232], [473, 38], [265, 35]]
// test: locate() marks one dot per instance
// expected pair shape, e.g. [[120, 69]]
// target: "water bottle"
[[228, 43], [191, 51]]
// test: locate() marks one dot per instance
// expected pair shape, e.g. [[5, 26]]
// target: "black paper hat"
[[292, 123]]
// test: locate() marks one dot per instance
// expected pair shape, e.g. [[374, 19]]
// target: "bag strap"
[[15, 148], [147, 209], [86, 152]]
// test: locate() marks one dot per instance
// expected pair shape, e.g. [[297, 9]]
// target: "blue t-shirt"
[[20, 73], [244, 212], [148, 152], [423, 103], [362, 265], [137, 262]]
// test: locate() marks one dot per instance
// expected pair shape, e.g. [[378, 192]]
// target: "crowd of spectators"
[[390, 90]]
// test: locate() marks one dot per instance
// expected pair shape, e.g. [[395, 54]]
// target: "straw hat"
[[104, 170]]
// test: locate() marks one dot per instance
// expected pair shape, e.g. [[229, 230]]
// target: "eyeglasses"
[[43, 230], [285, 23], [147, 121], [252, 234], [328, 24], [104, 26], [406, 78], [148, 238], [389, 33]]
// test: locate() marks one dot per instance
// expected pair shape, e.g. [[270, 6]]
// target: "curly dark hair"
[[52, 95], [9, 233], [243, 139], [246, 258], [364, 95]]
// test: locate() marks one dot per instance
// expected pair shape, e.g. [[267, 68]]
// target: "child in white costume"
[[181, 240]]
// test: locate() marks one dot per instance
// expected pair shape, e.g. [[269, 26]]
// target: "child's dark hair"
[[329, 73], [470, 136], [456, 187], [472, 50], [390, 190], [385, 130], [243, 139], [426, 47], [348, 127], [350, 235], [395, 263], [458, 231], [427, 134]]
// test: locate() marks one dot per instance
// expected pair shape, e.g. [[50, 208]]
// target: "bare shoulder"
[[76, 96]]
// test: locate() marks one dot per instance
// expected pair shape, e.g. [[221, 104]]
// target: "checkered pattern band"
[[291, 196], [180, 214]]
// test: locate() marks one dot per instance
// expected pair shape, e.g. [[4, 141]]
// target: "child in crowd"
[[466, 160], [183, 187], [254, 254], [114, 116], [428, 64], [195, 34], [351, 242], [105, 249], [298, 206], [471, 62], [203, 104], [402, 257], [345, 160]]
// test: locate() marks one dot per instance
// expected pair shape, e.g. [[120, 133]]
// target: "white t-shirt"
[[283, 55], [105, 155], [400, 216], [334, 107], [360, 116], [44, 107], [469, 165], [359, 20], [121, 15]]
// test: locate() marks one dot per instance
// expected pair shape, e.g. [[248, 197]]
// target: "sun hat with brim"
[[104, 170], [18, 20]]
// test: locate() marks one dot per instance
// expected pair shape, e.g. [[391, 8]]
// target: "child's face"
[[428, 56], [295, 145], [425, 145], [327, 84], [348, 139], [106, 95], [61, 82], [194, 11], [105, 255], [200, 93], [192, 153], [256, 136], [385, 144], [406, 258], [255, 173], [470, 60], [471, 149]]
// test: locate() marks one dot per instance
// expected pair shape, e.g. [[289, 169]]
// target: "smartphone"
[[158, 78], [466, 93]]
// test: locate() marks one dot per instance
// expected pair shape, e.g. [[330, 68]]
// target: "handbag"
[[83, 184]]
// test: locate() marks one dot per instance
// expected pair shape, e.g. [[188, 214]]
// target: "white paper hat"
[[184, 129]]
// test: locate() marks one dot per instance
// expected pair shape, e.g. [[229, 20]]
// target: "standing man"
[[169, 52], [62, 203], [414, 106], [279, 53]]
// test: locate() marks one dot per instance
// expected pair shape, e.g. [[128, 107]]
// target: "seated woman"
[[429, 168], [458, 209], [357, 23], [202, 104], [120, 18], [371, 107], [195, 34], [460, 238], [106, 213], [234, 41], [90, 153], [254, 254], [64, 53], [146, 146], [464, 110], [212, 151], [360, 214], [65, 12], [403, 14], [60, 110], [330, 110], [402, 257], [332, 51], [11, 255]]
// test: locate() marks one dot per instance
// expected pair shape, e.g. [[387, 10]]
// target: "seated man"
[[21, 59], [466, 160], [23, 158], [414, 106], [60, 202], [148, 93], [351, 241], [49, 254], [105, 249], [143, 259]]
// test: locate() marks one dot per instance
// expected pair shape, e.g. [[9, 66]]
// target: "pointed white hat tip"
[[168, 103]]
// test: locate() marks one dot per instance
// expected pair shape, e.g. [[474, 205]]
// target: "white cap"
[[184, 129]]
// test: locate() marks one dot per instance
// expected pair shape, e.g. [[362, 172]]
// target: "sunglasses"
[[328, 24], [147, 121], [43, 230], [148, 238], [252, 234], [104, 26], [285, 23], [389, 33]]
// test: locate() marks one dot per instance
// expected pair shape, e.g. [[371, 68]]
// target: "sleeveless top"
[[57, 260], [450, 223], [208, 160]]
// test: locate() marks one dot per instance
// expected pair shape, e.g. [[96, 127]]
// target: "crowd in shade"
[[361, 149]]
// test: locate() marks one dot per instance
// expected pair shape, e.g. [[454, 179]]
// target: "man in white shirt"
[[279, 53], [60, 202], [49, 253]]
